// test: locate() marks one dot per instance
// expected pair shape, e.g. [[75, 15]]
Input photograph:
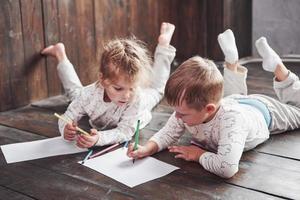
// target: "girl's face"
[[120, 91]]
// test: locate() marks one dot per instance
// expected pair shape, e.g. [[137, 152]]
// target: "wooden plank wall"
[[84, 25]]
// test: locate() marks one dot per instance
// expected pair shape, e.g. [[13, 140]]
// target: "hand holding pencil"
[[70, 131], [85, 140], [142, 151]]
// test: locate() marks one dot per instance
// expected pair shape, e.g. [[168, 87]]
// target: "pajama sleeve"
[[169, 134], [232, 137], [75, 112], [126, 126]]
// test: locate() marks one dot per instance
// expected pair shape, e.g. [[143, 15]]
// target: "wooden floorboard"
[[41, 181], [270, 174], [35, 120], [284, 145], [12, 195], [62, 174]]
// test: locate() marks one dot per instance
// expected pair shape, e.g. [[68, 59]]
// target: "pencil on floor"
[[126, 144], [196, 144], [104, 150], [87, 156], [69, 121]]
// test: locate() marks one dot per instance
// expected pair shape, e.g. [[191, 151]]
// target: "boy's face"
[[191, 116], [120, 91]]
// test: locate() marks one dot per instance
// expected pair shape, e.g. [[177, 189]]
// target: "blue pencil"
[[126, 144], [87, 156]]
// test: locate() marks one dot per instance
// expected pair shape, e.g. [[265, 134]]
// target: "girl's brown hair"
[[197, 81], [127, 57]]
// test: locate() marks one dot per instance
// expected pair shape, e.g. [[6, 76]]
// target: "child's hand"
[[139, 153], [142, 151], [188, 153], [70, 131], [87, 141]]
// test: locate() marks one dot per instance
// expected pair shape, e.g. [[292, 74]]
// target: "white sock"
[[270, 57], [227, 43]]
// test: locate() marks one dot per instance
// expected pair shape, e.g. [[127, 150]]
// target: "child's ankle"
[[164, 44], [232, 67], [166, 33], [281, 73], [61, 57]]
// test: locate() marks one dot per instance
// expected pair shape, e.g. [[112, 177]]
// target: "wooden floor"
[[271, 171]]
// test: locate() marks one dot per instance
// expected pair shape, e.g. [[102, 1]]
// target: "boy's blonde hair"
[[197, 81], [128, 57]]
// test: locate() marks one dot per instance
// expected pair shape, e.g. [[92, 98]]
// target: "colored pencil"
[[126, 144], [196, 144], [104, 150], [69, 121], [136, 137], [87, 156]]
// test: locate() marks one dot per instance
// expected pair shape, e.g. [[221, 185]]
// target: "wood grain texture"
[[86, 39], [68, 29], [52, 36], [33, 39], [85, 25], [13, 80], [63, 176]]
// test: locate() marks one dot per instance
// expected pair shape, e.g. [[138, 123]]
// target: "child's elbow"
[[230, 172]]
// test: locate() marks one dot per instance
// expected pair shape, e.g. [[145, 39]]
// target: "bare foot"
[[57, 51], [166, 33]]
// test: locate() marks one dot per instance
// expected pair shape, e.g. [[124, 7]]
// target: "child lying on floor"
[[224, 127], [119, 98]]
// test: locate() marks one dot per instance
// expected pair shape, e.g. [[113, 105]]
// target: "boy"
[[224, 127]]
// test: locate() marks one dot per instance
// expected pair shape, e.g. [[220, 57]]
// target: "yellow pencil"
[[69, 121]]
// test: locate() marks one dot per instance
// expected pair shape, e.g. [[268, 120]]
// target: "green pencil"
[[137, 134], [136, 137]]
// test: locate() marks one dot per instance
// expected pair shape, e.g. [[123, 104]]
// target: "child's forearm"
[[151, 147], [114, 135]]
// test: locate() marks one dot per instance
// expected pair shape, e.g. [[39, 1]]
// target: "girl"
[[121, 96]]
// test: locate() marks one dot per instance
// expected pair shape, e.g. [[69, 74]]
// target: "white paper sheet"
[[118, 166], [23, 151]]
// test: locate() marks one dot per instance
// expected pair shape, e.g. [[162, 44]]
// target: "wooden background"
[[27, 26]]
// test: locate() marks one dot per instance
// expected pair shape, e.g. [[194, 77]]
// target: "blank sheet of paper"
[[23, 151], [118, 166]]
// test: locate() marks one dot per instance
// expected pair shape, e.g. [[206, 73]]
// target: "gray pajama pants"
[[285, 113], [151, 96]]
